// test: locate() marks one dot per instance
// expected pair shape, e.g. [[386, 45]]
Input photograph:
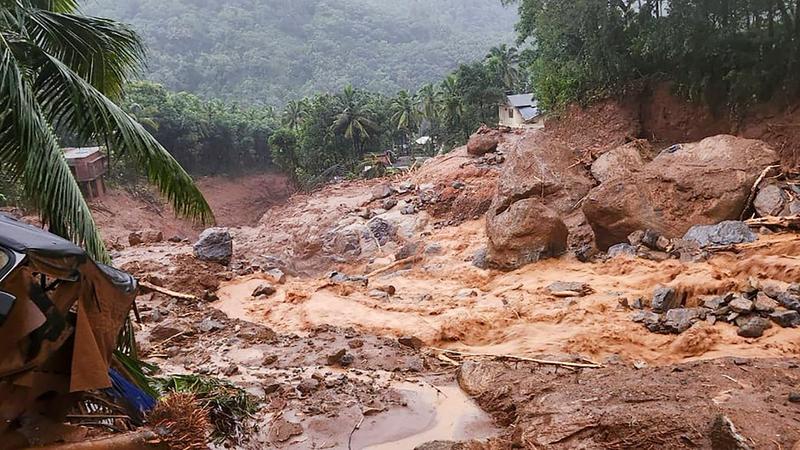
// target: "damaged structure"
[[60, 317]]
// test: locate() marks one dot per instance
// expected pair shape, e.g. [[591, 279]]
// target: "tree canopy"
[[728, 52]]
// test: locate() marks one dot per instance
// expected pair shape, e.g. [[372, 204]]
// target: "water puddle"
[[446, 414]]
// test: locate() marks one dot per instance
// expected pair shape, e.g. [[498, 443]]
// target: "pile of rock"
[[651, 244], [752, 312], [780, 198]]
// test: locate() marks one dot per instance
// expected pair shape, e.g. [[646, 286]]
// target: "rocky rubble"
[[753, 312]]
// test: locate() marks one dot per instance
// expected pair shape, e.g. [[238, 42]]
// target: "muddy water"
[[446, 414]]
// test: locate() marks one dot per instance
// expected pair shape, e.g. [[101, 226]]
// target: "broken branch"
[[152, 287], [410, 260], [521, 358], [754, 190]]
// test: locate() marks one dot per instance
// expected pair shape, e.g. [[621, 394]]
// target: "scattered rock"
[[215, 245], [276, 275], [341, 278], [389, 203], [479, 259], [679, 320], [208, 325], [381, 230], [741, 305], [381, 191], [724, 435], [411, 342], [648, 318], [341, 358], [752, 326], [621, 250], [664, 299], [231, 370], [715, 303], [794, 397], [724, 233], [763, 303], [408, 210], [269, 360], [434, 249], [177, 239], [458, 185], [379, 294], [282, 430], [264, 289], [135, 238], [408, 250], [308, 386], [786, 318], [165, 331]]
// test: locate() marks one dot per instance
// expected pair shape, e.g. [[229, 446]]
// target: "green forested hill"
[[271, 51]]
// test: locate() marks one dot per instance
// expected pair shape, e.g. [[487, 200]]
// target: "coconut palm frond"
[[32, 155]]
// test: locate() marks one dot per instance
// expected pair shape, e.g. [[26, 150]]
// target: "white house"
[[520, 111]]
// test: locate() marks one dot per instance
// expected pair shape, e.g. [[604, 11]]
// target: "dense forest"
[[273, 51], [730, 54]]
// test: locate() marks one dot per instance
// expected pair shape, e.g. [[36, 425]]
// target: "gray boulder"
[[786, 318], [752, 326], [725, 233], [679, 320], [621, 250], [215, 245], [664, 299]]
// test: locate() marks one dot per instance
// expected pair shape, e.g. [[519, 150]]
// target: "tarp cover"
[[69, 331]]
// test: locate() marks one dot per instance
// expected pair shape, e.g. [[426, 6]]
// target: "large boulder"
[[535, 203], [215, 245], [484, 141], [623, 160], [701, 183], [525, 232]]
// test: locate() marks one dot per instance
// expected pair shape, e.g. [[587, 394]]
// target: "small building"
[[88, 165], [520, 111]]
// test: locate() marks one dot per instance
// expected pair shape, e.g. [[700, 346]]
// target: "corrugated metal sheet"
[[521, 100]]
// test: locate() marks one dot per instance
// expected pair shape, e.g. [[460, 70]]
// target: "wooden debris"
[[754, 189], [521, 358], [152, 287], [411, 260], [773, 221]]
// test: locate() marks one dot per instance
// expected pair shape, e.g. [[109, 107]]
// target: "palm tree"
[[60, 73], [451, 103], [354, 120], [404, 114], [503, 61], [293, 114], [428, 102]]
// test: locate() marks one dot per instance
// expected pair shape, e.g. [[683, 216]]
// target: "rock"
[[664, 299], [618, 250], [281, 430], [434, 249], [621, 161], [308, 386], [789, 300], [342, 278], [576, 289], [679, 320], [269, 360], [378, 294], [381, 191], [442, 445], [794, 397], [264, 289], [458, 185], [177, 239], [537, 191], [752, 326], [770, 201], [408, 210], [524, 232], [208, 325], [741, 305], [764, 303], [697, 184], [381, 230], [638, 303], [786, 318], [342, 358], [405, 187], [389, 203], [231, 370], [481, 144], [276, 276], [654, 240], [411, 342], [152, 236], [215, 245], [479, 259], [156, 316], [647, 318], [636, 238], [717, 302], [725, 233], [408, 250], [135, 238], [724, 435]]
